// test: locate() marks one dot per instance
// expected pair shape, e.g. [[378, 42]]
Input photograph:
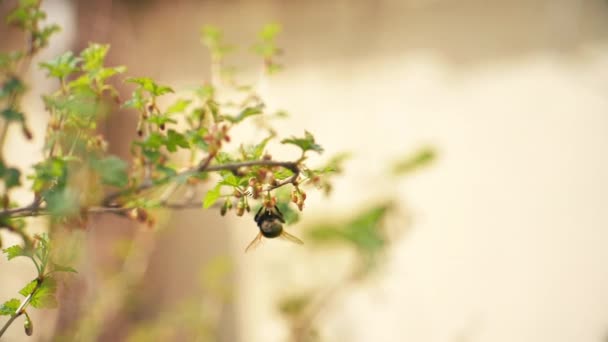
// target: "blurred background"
[[502, 238]]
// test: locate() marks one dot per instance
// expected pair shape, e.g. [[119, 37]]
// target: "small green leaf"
[[94, 56], [245, 113], [44, 297], [230, 180], [150, 86], [306, 144], [62, 66], [12, 178], [178, 106], [9, 114], [29, 288], [175, 139], [211, 197], [113, 170], [10, 307], [413, 162], [269, 31], [14, 251], [61, 268]]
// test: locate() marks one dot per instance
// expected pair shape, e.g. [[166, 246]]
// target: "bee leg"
[[258, 214], [279, 214]]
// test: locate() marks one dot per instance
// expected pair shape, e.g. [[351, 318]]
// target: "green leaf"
[[113, 170], [245, 113], [150, 86], [230, 179], [29, 288], [94, 56], [136, 101], [12, 86], [62, 66], [14, 251], [10, 307], [413, 162], [9, 114], [62, 202], [44, 297], [269, 31], [178, 106], [60, 268], [212, 196], [306, 144], [12, 178], [175, 139]]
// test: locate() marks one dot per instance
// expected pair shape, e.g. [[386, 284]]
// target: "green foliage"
[[212, 196], [112, 169], [307, 143], [10, 307], [415, 161]]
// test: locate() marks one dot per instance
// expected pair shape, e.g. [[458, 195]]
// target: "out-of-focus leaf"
[[245, 113], [10, 307], [62, 66], [44, 297], [14, 251], [293, 306], [211, 197], [413, 162], [150, 86], [306, 144], [29, 288], [61, 268], [175, 139], [113, 170]]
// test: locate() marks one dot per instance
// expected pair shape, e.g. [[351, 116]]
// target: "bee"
[[270, 222]]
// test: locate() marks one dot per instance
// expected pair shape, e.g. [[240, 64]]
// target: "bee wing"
[[255, 243], [286, 236]]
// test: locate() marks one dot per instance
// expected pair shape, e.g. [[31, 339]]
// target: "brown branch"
[[109, 206], [205, 167]]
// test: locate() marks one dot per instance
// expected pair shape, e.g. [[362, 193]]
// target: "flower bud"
[[28, 326]]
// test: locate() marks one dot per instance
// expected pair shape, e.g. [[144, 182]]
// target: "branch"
[[21, 310], [108, 205], [205, 167]]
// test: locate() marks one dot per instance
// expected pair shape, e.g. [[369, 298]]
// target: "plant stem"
[[21, 308]]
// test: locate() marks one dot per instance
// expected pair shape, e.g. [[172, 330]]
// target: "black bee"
[[270, 222]]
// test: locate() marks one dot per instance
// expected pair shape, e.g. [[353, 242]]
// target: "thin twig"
[[108, 205], [22, 307]]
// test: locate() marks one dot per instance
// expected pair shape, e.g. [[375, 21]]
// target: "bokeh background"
[[503, 237]]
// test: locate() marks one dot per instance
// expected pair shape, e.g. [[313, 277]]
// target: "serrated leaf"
[[211, 197], [230, 180], [306, 144], [175, 139], [150, 86], [44, 297], [62, 66], [25, 291], [10, 307], [14, 251], [113, 170], [94, 56], [245, 113]]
